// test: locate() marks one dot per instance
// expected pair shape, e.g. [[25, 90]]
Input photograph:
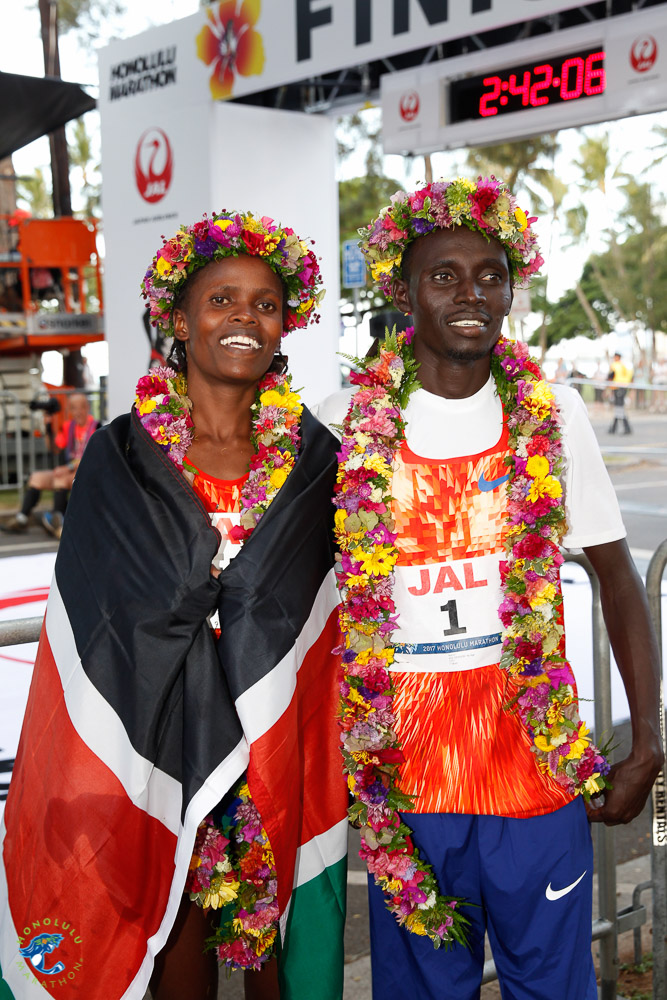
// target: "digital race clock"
[[569, 77]]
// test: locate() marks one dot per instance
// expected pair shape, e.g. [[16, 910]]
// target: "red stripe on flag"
[[82, 860], [295, 771]]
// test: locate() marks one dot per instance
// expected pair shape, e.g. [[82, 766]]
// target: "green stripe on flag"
[[312, 955], [5, 992]]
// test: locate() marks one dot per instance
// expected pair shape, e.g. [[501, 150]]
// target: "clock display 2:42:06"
[[548, 81]]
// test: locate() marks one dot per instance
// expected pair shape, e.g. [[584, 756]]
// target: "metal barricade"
[[23, 446], [642, 397], [11, 442], [654, 575]]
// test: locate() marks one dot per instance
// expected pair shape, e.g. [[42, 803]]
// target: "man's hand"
[[632, 779]]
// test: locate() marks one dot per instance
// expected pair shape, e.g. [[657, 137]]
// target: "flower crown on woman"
[[485, 206], [228, 234]]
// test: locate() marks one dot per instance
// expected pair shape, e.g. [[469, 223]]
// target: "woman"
[[167, 718]]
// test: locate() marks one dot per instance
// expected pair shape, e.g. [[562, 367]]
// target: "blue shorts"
[[531, 880]]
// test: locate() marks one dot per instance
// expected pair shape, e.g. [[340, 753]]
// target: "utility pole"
[[62, 198]]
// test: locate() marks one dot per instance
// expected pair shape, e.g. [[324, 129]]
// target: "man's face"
[[458, 291], [78, 409]]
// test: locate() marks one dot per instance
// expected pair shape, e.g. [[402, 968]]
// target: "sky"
[[631, 139]]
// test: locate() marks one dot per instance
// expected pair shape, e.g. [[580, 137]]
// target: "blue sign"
[[354, 265]]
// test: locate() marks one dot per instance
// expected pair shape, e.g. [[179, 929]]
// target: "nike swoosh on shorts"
[[486, 485], [557, 893]]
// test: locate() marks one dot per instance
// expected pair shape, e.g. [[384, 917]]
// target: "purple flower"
[[422, 226]]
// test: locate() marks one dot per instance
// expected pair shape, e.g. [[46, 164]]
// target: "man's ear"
[[401, 295]]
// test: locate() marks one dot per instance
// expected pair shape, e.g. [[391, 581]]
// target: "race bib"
[[448, 615]]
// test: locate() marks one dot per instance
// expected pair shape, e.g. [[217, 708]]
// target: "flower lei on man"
[[533, 636], [232, 866]]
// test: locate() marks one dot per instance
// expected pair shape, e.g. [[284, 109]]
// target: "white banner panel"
[[244, 46], [171, 153], [600, 71], [282, 164]]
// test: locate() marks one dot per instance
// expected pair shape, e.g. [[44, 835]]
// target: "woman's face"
[[231, 319]]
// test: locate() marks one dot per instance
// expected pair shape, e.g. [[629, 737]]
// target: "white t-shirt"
[[440, 428]]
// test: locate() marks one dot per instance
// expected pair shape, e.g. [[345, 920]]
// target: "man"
[[493, 811], [621, 376], [72, 440]]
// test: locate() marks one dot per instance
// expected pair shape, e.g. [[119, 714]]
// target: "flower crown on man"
[[486, 206], [228, 234]]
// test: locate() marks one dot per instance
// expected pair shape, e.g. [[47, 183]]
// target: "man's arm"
[[626, 614]]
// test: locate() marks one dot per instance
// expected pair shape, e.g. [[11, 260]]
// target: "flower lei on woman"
[[530, 612], [233, 868]]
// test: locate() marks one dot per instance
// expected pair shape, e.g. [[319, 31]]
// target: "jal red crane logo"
[[643, 53], [409, 105], [153, 165]]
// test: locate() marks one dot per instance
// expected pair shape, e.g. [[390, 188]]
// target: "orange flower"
[[230, 44]]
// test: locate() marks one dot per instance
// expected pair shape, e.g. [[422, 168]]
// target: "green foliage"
[[645, 965], [81, 157], [521, 164], [89, 17], [34, 193], [359, 201]]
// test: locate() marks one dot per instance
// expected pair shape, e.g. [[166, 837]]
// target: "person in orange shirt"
[[72, 440], [461, 471]]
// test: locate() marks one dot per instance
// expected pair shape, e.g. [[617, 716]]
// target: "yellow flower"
[[163, 266], [223, 224], [244, 791], [146, 406], [414, 924], [537, 466], [594, 784], [580, 744], [360, 580], [356, 698], [379, 562], [542, 743], [545, 596], [521, 218], [225, 892], [271, 397], [270, 244], [376, 463], [339, 519], [304, 306], [554, 713], [549, 487], [540, 400], [278, 476], [380, 267]]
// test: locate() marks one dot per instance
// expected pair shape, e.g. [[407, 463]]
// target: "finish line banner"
[[247, 46]]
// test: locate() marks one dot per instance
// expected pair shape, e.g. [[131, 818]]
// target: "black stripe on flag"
[[133, 571]]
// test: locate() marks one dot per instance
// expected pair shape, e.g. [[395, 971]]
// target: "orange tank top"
[[222, 500], [466, 751]]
